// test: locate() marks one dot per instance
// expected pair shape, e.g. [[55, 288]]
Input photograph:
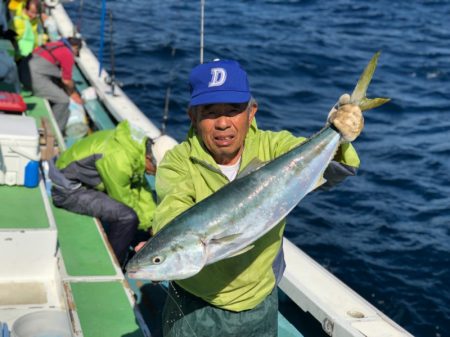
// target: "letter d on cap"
[[218, 77]]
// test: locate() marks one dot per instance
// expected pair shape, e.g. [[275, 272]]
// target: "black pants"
[[121, 219], [187, 315]]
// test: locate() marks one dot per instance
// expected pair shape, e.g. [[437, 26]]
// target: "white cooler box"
[[19, 145]]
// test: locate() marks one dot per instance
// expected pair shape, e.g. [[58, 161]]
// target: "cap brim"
[[222, 96]]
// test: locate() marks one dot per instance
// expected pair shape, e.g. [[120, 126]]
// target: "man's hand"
[[347, 119], [76, 97]]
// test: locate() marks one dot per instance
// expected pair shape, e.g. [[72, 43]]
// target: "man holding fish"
[[237, 295]]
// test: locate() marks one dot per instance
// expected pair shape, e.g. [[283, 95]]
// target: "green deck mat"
[[104, 310], [36, 107], [82, 247], [14, 200]]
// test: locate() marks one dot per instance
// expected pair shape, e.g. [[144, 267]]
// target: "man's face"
[[222, 128], [32, 11], [76, 50]]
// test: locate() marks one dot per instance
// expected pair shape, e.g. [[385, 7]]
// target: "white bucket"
[[45, 323]]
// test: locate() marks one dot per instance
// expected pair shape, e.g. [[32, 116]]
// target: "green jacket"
[[27, 34], [187, 175], [113, 161]]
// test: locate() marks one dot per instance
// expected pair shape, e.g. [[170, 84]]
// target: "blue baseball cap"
[[221, 81]]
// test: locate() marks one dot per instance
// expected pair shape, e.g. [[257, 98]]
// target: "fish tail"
[[359, 93], [372, 103]]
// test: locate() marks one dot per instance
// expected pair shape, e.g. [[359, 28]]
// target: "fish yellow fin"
[[359, 93]]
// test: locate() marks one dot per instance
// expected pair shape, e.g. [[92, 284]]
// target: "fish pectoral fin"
[[242, 251], [223, 239]]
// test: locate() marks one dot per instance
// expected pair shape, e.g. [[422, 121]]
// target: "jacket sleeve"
[[116, 176], [345, 163], [175, 190]]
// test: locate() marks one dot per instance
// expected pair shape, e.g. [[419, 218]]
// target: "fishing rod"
[[167, 99], [111, 79], [202, 25], [102, 37], [80, 15]]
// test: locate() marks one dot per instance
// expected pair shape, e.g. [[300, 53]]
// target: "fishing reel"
[[112, 82]]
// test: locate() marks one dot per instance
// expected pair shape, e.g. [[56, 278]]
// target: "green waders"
[[187, 315]]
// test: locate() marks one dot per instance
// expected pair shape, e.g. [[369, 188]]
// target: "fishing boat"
[[59, 274]]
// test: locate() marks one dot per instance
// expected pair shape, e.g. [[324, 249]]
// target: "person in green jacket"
[[102, 176], [235, 296]]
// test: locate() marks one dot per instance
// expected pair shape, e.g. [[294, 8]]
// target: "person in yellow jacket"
[[102, 176], [25, 24], [235, 296]]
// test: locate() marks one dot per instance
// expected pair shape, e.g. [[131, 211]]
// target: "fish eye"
[[157, 259]]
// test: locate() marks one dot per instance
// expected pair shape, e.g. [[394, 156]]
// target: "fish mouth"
[[134, 272], [141, 275]]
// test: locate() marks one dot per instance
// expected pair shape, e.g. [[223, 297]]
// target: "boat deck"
[[53, 259], [92, 286]]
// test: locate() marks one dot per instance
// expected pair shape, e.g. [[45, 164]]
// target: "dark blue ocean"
[[385, 232]]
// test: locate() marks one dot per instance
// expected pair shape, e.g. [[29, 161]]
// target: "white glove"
[[347, 119]]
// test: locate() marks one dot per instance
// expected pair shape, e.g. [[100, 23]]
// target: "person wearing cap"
[[236, 296], [51, 68], [102, 176]]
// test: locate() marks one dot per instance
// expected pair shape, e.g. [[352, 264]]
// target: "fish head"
[[165, 258]]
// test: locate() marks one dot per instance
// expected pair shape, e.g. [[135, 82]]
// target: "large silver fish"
[[219, 227]]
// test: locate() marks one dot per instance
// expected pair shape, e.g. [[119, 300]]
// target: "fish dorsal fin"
[[254, 164], [242, 251]]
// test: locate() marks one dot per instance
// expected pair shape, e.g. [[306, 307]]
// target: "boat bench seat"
[[104, 309], [82, 247], [14, 200]]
